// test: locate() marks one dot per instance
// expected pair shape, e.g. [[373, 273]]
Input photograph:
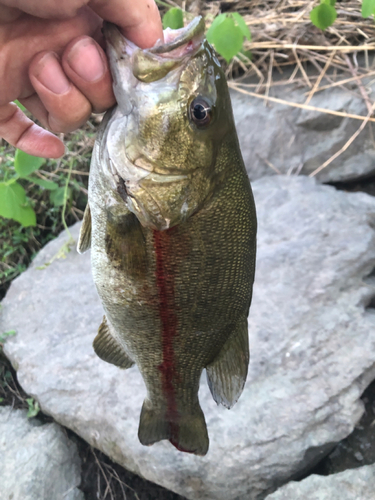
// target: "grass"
[[20, 244]]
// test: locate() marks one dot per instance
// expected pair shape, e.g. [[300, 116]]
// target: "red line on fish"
[[165, 285]]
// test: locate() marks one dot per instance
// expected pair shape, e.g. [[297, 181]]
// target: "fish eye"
[[200, 112]]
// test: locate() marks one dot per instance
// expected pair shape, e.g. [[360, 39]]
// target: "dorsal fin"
[[84, 241], [109, 349], [226, 375]]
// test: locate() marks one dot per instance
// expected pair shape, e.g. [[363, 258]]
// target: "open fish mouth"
[[181, 42], [152, 64]]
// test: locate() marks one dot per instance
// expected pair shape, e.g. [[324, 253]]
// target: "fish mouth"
[[127, 187], [139, 198], [152, 64], [184, 38]]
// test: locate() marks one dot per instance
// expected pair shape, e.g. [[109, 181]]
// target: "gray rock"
[[355, 484], [295, 140], [358, 448], [312, 336], [37, 462]]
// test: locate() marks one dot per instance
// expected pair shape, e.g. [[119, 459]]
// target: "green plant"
[[368, 8], [173, 18], [33, 407], [325, 14], [14, 202], [227, 32], [20, 244]]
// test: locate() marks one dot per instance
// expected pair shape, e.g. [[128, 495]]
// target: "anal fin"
[[226, 375], [109, 349], [84, 241]]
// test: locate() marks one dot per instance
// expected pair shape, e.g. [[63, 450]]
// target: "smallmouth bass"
[[172, 227]]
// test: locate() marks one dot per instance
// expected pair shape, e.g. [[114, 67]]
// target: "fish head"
[[173, 111]]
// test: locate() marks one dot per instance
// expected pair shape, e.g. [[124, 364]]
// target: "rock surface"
[[358, 448], [37, 462], [312, 336], [292, 139], [355, 484]]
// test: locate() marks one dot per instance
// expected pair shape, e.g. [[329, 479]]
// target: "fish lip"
[[193, 32], [172, 172], [150, 175]]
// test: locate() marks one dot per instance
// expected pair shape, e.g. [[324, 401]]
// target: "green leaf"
[[323, 16], [11, 195], [57, 196], [27, 216], [214, 26], [12, 204], [33, 407], [24, 163], [50, 185], [173, 19], [240, 21], [1, 400], [329, 2], [227, 38], [368, 8]]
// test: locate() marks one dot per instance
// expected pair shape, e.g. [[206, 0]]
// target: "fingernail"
[[85, 60], [51, 75]]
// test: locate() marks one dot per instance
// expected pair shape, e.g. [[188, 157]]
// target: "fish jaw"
[[147, 65]]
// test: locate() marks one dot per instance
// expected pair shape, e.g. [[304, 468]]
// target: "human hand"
[[52, 62]]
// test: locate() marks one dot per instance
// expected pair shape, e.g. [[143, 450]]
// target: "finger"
[[22, 40], [22, 133], [85, 64], [47, 9], [140, 23], [8, 14], [68, 109], [36, 108]]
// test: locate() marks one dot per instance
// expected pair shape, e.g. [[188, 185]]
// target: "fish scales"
[[171, 222]]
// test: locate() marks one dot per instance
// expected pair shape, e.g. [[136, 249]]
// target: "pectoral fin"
[[84, 241], [125, 246], [109, 349], [226, 375]]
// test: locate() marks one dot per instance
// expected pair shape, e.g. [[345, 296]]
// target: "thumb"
[[139, 21]]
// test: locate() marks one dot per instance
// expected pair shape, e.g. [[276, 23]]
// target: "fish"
[[171, 224]]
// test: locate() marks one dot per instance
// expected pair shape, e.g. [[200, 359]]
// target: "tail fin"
[[187, 432]]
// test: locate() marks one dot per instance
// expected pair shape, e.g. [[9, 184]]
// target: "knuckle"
[[63, 124]]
